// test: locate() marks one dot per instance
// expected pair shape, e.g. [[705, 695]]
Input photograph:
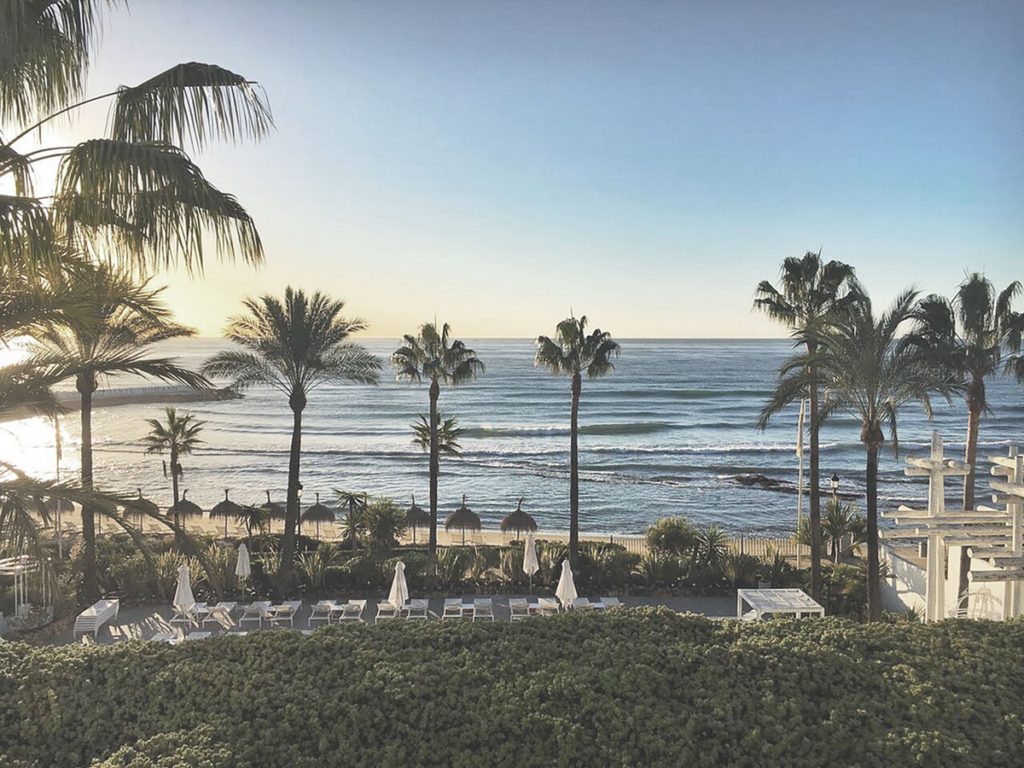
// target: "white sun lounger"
[[322, 611], [518, 608], [452, 608], [547, 606], [416, 609], [385, 610], [220, 612], [582, 604], [352, 611], [256, 611], [95, 616], [610, 602], [483, 608], [285, 612]]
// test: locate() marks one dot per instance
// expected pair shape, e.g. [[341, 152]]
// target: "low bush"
[[630, 688]]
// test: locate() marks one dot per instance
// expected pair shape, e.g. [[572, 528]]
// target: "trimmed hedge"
[[630, 688]]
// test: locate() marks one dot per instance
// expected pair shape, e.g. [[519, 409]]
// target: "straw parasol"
[[141, 506], [415, 518], [518, 521], [185, 508], [226, 509], [272, 509], [318, 513], [463, 518]]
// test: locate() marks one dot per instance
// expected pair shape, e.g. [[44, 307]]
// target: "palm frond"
[[191, 103], [26, 233]]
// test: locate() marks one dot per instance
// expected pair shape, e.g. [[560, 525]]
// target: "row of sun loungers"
[[266, 613]]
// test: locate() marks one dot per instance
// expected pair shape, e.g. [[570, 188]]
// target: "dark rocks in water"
[[766, 483]]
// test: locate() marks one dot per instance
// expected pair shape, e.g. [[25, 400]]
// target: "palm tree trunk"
[[291, 514], [814, 517], [874, 586], [974, 410], [435, 470], [90, 577], [175, 494], [574, 471]]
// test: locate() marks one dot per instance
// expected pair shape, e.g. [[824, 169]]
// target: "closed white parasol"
[[399, 594], [566, 591], [184, 600]]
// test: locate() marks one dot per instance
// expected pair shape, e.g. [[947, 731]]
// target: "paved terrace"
[[143, 622]]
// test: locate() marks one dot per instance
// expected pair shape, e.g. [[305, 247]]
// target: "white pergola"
[[22, 568], [992, 536]]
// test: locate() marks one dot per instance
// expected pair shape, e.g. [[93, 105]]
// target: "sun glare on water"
[[30, 445]]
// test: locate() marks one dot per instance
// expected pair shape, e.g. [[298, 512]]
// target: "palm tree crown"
[[178, 435], [433, 356]]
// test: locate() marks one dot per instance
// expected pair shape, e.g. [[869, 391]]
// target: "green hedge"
[[633, 688]]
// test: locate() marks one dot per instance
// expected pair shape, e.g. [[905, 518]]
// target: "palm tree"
[[448, 434], [810, 293], [840, 520], [354, 523], [294, 345], [134, 193], [125, 319], [968, 336], [178, 436], [433, 356], [870, 371], [573, 352]]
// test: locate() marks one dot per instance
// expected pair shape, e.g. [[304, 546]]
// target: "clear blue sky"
[[645, 163]]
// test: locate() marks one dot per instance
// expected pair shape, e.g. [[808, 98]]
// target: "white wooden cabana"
[[31, 582], [992, 537]]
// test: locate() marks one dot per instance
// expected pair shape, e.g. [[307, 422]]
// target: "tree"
[[968, 337], [178, 437], [134, 193], [573, 352], [432, 355], [125, 318], [353, 525], [870, 371], [810, 293], [294, 344], [448, 434]]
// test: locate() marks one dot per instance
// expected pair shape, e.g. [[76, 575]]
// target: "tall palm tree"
[[125, 319], [293, 344], [135, 189], [870, 371], [178, 436], [432, 355], [573, 352], [968, 336], [809, 294]]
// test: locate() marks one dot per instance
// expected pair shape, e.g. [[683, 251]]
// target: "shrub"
[[741, 570], [638, 687], [672, 536]]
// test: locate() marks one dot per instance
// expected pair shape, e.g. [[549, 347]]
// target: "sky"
[[497, 165]]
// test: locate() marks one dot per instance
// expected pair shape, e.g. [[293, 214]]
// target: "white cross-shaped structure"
[[943, 529]]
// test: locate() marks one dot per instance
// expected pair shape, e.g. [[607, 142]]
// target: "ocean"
[[671, 432]]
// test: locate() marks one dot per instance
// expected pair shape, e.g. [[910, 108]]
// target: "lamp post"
[[835, 486], [298, 520]]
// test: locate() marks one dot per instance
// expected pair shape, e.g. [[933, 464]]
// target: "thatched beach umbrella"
[[518, 521], [226, 509], [185, 508], [415, 518], [272, 510], [463, 518], [142, 507], [318, 513]]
